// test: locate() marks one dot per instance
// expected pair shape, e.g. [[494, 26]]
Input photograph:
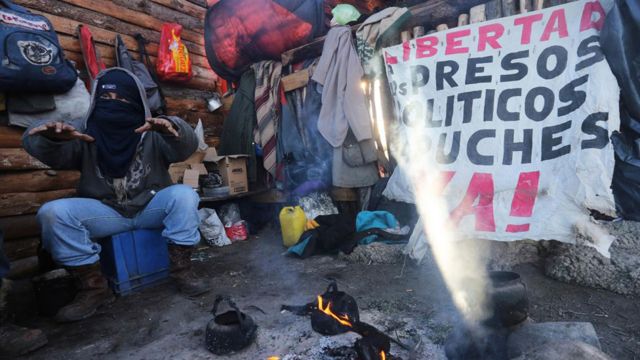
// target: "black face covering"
[[113, 122]]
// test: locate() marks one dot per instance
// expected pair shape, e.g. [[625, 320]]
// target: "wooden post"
[[418, 31], [463, 19], [493, 9], [525, 6], [538, 4], [405, 36], [508, 7], [477, 14]]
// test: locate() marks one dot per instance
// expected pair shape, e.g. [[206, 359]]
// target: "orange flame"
[[344, 319], [273, 358], [383, 356]]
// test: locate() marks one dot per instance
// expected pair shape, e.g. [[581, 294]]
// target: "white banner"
[[516, 115]]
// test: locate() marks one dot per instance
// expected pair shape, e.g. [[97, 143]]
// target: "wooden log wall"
[[26, 183]]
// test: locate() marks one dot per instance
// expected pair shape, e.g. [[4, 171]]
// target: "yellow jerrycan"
[[292, 223]]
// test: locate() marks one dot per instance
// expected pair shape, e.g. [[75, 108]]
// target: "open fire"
[[342, 319], [336, 312]]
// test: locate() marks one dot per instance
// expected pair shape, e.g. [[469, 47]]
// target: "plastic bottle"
[[292, 222]]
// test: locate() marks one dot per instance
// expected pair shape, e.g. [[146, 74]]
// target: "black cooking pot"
[[229, 331], [341, 304], [507, 294]]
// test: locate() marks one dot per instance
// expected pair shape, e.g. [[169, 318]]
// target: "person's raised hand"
[[57, 130], [160, 125]]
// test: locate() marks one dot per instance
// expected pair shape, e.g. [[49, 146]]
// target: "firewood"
[[38, 180], [18, 159]]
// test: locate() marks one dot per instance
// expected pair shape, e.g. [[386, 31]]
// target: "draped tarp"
[[239, 33]]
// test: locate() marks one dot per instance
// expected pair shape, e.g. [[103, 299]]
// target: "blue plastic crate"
[[134, 260]]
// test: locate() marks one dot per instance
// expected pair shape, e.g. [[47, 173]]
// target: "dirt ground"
[[407, 301]]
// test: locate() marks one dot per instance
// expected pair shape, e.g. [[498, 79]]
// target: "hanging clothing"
[[237, 132], [344, 105], [354, 163], [375, 31], [267, 103]]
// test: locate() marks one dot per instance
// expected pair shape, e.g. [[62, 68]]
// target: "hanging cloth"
[[267, 103]]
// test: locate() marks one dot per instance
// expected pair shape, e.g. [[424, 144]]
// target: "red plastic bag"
[[174, 63], [237, 231]]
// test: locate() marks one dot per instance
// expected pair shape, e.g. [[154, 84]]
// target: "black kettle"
[[229, 331]]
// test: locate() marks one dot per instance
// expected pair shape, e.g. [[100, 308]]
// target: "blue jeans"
[[69, 225]]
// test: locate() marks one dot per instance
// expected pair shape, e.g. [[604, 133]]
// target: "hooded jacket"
[[147, 174]]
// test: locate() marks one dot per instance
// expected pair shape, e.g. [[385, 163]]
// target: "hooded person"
[[123, 155]]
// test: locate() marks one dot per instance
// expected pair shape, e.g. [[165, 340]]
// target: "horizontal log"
[[10, 137], [29, 202], [38, 180], [18, 159], [194, 83], [69, 27], [429, 15], [21, 248], [23, 268], [201, 3], [296, 80], [185, 7], [212, 123], [164, 13], [175, 91], [199, 105], [21, 226], [110, 8], [213, 141], [75, 15]]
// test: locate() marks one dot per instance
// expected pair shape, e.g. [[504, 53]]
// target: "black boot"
[[180, 271], [94, 292]]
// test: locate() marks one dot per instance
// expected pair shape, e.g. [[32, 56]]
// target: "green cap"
[[345, 13]]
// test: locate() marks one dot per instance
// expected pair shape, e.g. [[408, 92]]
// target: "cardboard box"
[[200, 167], [233, 169], [191, 178]]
